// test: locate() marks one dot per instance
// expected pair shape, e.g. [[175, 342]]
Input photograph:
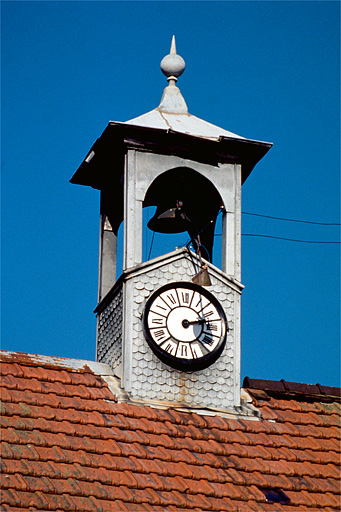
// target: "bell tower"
[[170, 327]]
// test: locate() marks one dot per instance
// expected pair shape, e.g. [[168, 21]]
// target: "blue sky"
[[264, 70]]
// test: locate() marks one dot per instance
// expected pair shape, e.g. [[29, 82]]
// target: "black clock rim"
[[179, 363]]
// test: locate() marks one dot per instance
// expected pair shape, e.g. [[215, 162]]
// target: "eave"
[[108, 150]]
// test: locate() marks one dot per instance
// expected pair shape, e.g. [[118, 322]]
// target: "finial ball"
[[172, 64]]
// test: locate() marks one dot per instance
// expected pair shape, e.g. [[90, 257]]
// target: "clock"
[[185, 326]]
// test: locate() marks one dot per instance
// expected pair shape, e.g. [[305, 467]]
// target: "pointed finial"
[[173, 46], [172, 65]]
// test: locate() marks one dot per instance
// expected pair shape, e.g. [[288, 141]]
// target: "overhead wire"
[[293, 220], [290, 239], [297, 240], [287, 239]]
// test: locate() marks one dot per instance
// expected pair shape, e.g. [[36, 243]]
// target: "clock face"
[[185, 326]]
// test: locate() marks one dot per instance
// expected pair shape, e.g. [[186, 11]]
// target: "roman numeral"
[[207, 339], [196, 351], [161, 307], [171, 299], [160, 334], [185, 297], [170, 348], [158, 321], [184, 350], [211, 327], [208, 313]]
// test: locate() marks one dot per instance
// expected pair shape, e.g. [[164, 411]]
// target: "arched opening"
[[187, 206]]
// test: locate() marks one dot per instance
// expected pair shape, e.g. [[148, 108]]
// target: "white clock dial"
[[185, 326]]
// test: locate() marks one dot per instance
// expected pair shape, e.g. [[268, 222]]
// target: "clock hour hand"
[[187, 323]]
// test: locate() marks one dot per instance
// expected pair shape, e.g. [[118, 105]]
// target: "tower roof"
[[182, 123], [172, 113], [169, 129]]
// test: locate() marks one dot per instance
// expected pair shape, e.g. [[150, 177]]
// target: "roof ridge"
[[292, 388], [55, 362]]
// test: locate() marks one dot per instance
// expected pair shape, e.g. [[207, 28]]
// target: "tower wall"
[[143, 375]]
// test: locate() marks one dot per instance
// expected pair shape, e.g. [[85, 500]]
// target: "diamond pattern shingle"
[[68, 445]]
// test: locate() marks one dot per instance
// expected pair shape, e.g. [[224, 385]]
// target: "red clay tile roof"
[[67, 445]]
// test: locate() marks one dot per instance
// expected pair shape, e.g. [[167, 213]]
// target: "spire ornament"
[[172, 66]]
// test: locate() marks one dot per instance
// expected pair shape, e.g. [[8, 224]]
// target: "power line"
[[294, 220], [289, 239], [276, 237]]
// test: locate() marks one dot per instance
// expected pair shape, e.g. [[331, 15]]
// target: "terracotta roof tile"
[[255, 426], [199, 502], [11, 368], [37, 499], [9, 436], [229, 475], [332, 484], [331, 445], [250, 506], [8, 381], [84, 503], [287, 454], [333, 471], [67, 445], [14, 481], [334, 420], [179, 468], [313, 443], [10, 498], [268, 414], [5, 395], [323, 484], [256, 478], [333, 500], [186, 457], [222, 504], [333, 432], [268, 453]]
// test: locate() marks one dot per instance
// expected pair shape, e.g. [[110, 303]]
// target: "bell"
[[202, 278], [196, 213], [170, 220]]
